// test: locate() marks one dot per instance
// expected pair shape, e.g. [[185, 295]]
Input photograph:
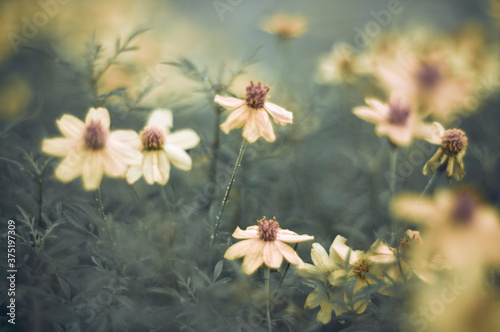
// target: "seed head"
[[428, 76], [95, 136], [268, 229], [256, 95], [464, 206], [454, 141], [361, 268], [152, 138]]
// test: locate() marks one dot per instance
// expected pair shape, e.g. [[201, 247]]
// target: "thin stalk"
[[393, 154], [267, 272], [428, 186], [228, 190], [99, 203], [215, 151], [287, 267]]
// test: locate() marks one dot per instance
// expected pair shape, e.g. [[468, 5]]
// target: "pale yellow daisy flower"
[[264, 244], [396, 119], [91, 150], [161, 147], [251, 113]]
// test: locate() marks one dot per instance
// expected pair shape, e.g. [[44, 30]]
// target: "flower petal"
[[161, 118], [412, 208], [241, 249], [185, 139], [71, 126], [178, 157], [92, 170], [229, 102], [368, 114], [246, 234], [147, 166], [325, 313], [264, 125], [320, 257], [98, 115], [236, 119], [314, 299], [163, 168], [377, 107], [399, 135], [290, 254], [252, 263], [279, 114], [71, 166], [134, 173], [251, 131], [124, 145], [435, 133], [272, 255], [59, 146], [342, 250], [285, 235]]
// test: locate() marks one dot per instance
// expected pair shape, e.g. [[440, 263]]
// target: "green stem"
[[393, 152], [428, 186], [99, 203], [228, 190], [267, 272]]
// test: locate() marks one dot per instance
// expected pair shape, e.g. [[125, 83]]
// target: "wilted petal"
[[184, 139], [58, 146], [178, 157], [71, 126], [229, 102], [279, 114], [434, 133], [98, 115], [236, 119]]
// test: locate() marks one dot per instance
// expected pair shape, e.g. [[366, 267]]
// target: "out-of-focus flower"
[[396, 119], [15, 96], [251, 113], [160, 148], [325, 301], [285, 26], [453, 146], [90, 149], [457, 225], [339, 66], [264, 244]]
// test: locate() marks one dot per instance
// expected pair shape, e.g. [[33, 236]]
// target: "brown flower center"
[[361, 268], [152, 138], [256, 95], [464, 206], [268, 229], [428, 76], [95, 136], [454, 141], [399, 112]]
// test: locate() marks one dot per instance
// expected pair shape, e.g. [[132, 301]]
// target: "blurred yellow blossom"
[[285, 26]]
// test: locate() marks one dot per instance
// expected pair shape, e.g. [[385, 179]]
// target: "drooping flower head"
[[453, 144], [90, 149], [160, 148], [251, 113], [264, 244]]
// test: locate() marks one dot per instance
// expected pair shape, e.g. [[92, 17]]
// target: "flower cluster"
[[91, 150]]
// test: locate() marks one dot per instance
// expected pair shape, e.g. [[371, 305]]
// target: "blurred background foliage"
[[147, 268]]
